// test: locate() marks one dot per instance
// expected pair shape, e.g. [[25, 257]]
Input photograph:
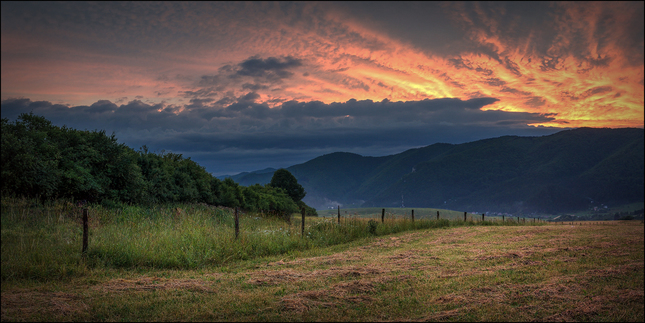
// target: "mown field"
[[168, 264]]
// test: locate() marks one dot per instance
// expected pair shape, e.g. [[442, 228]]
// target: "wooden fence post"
[[413, 215], [483, 214], [339, 214], [502, 218], [465, 216], [437, 215], [303, 222], [237, 224], [85, 232], [383, 216]]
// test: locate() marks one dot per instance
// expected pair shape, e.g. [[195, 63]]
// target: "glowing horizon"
[[584, 75]]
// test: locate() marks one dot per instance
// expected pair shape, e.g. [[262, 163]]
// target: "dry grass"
[[155, 283], [17, 305], [549, 273]]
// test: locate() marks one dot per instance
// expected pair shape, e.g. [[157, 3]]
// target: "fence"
[[236, 216]]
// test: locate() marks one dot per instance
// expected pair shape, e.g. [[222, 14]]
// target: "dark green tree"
[[47, 161], [283, 179], [30, 159]]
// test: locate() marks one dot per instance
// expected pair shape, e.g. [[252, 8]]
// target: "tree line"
[[49, 162]]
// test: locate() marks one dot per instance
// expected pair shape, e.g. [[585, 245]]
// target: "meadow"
[[182, 262]]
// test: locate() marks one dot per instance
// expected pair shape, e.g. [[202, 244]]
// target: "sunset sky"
[[244, 86]]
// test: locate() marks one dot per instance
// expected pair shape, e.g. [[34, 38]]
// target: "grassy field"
[[455, 271], [42, 242]]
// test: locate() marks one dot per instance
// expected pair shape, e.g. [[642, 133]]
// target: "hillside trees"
[[47, 161], [283, 179], [39, 159], [29, 159]]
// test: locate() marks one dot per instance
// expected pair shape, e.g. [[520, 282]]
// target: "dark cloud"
[[210, 80], [352, 83], [101, 107], [254, 87], [597, 90], [218, 133], [495, 82], [512, 66], [514, 91], [270, 68], [253, 74], [201, 93]]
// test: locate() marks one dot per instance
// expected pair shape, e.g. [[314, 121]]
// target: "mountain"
[[250, 178], [567, 171]]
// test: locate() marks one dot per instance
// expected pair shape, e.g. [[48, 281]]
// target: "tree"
[[283, 179]]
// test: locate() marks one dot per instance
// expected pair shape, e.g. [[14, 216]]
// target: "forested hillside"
[[570, 170], [46, 161], [567, 171]]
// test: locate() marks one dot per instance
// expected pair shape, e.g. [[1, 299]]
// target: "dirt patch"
[[25, 304], [155, 283]]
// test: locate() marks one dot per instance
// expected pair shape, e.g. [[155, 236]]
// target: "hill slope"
[[566, 171]]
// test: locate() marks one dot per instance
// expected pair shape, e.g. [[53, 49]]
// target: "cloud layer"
[[216, 134], [224, 80], [581, 62]]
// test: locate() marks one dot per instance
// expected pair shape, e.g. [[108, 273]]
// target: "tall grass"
[[43, 241]]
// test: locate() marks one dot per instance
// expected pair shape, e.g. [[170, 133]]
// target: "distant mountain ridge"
[[566, 171], [254, 176]]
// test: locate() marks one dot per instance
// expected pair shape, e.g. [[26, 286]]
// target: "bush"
[[371, 224]]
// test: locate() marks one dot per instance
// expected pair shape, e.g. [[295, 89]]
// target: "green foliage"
[[309, 211], [283, 179], [372, 225], [268, 200], [39, 159], [46, 161]]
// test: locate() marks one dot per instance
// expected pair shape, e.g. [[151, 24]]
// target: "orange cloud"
[[578, 64], [592, 83]]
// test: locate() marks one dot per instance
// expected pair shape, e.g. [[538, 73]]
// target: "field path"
[[482, 273]]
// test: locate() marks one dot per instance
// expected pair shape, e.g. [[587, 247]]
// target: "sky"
[[244, 86]]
